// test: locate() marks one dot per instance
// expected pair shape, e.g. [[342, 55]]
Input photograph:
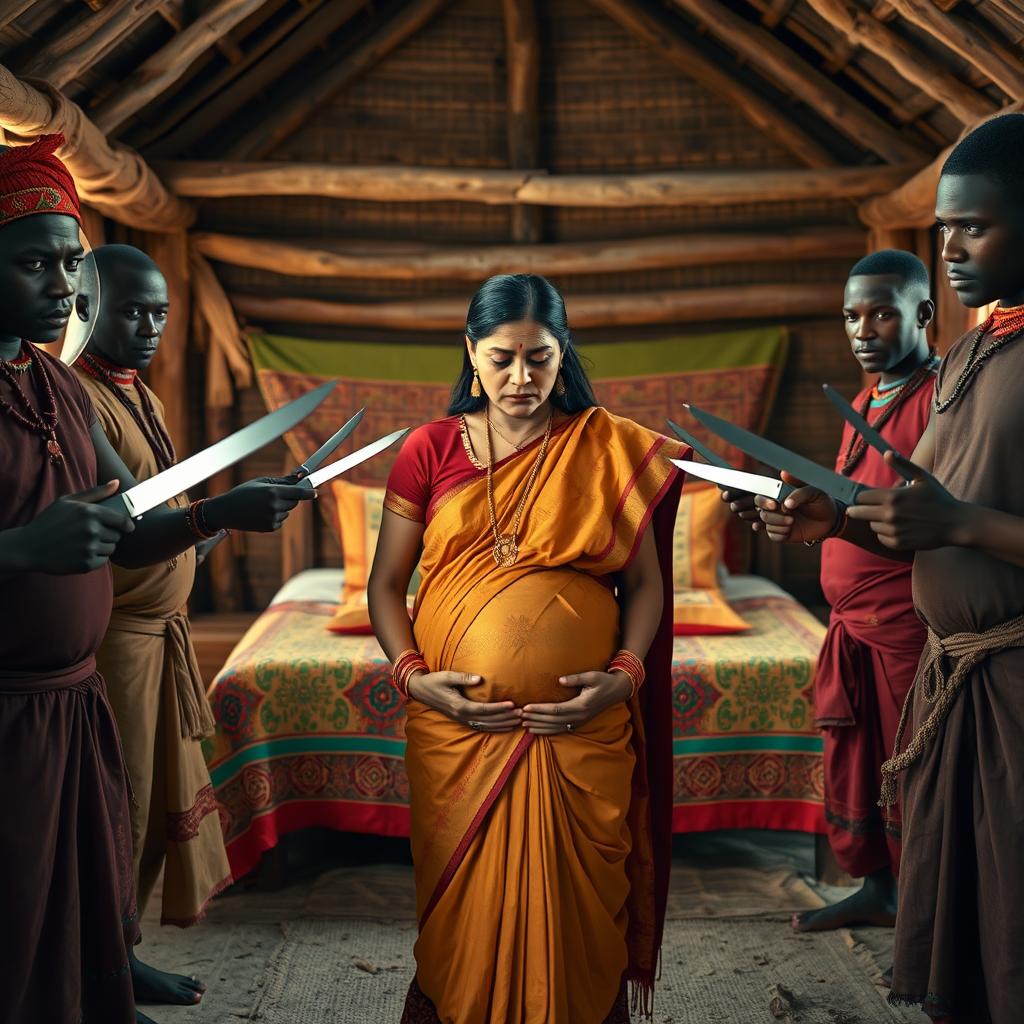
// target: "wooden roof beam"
[[655, 30], [912, 204], [405, 261], [967, 41], [170, 62], [13, 10], [690, 305], [390, 183], [71, 55], [781, 65], [522, 69], [272, 57], [964, 103], [290, 115]]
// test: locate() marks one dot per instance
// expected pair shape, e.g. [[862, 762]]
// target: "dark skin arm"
[[897, 521]]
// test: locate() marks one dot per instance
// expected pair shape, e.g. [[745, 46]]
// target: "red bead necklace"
[[44, 422]]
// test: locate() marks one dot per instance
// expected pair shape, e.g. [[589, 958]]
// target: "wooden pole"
[[960, 36], [167, 372], [289, 116], [115, 180], [779, 63], [78, 49], [220, 107], [168, 64], [208, 180], [13, 10], [912, 204], [964, 103], [781, 302], [400, 261], [659, 33], [522, 49]]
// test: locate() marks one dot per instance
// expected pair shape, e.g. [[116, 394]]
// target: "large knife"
[[327, 448], [861, 425], [321, 476], [841, 488], [199, 467], [736, 480], [701, 449]]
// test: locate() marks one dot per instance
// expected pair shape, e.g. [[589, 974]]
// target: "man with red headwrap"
[[66, 887]]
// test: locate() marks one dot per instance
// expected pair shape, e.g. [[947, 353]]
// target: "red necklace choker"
[[103, 369]]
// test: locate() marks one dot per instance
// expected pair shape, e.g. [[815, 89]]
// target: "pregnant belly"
[[545, 625]]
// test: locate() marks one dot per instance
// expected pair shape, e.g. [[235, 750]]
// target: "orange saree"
[[541, 862]]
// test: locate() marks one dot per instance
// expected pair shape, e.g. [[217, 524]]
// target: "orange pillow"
[[697, 547], [359, 516]]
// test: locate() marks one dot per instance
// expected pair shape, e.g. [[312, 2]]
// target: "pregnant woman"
[[537, 668]]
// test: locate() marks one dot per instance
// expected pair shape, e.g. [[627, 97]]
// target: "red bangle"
[[197, 521], [630, 665], [405, 666]]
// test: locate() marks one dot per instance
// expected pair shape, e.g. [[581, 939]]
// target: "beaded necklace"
[[118, 380], [44, 422], [897, 393], [1004, 325]]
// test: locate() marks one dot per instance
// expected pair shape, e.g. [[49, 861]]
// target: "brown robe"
[[960, 927], [157, 693], [67, 896]]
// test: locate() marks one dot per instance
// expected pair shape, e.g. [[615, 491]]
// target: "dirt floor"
[[325, 934]]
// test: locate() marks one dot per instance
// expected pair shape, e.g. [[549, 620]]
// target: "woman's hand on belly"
[[599, 691], [442, 691]]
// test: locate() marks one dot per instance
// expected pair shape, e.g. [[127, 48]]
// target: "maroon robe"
[[867, 663], [67, 914]]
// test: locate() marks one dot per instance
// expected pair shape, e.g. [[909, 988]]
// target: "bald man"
[[147, 659]]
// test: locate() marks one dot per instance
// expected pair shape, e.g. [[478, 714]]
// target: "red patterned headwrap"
[[33, 180]]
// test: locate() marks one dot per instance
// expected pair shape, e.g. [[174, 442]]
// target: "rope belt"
[[940, 689]]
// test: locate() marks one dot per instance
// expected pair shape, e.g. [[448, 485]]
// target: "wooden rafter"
[[290, 115], [178, 130], [404, 261], [220, 106], [692, 305], [522, 49], [169, 63], [960, 36], [780, 64], [912, 204], [964, 103], [659, 33], [78, 49], [201, 179], [13, 10]]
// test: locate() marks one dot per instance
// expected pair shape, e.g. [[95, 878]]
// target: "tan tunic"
[[158, 699]]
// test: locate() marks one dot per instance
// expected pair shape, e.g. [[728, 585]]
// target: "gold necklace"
[[506, 550], [519, 446]]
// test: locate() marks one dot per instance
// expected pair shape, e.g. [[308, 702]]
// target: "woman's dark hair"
[[510, 298]]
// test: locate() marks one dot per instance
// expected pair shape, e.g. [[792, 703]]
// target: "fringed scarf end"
[[641, 993]]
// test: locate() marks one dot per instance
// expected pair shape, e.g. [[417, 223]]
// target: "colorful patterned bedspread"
[[310, 731]]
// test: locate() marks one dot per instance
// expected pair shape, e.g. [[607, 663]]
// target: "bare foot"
[[873, 904], [155, 986]]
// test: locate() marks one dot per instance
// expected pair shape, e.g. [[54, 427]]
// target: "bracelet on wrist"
[[196, 520], [632, 667], [837, 529], [405, 666]]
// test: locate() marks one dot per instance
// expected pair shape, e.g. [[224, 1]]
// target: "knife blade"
[[701, 449], [321, 476], [861, 425], [841, 488], [735, 479], [199, 467], [327, 448]]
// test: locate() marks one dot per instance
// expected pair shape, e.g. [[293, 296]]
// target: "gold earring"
[[559, 385], [474, 389]]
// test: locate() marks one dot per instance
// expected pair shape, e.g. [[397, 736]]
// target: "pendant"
[[54, 449], [506, 551]]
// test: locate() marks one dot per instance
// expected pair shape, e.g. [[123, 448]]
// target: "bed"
[[310, 731]]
